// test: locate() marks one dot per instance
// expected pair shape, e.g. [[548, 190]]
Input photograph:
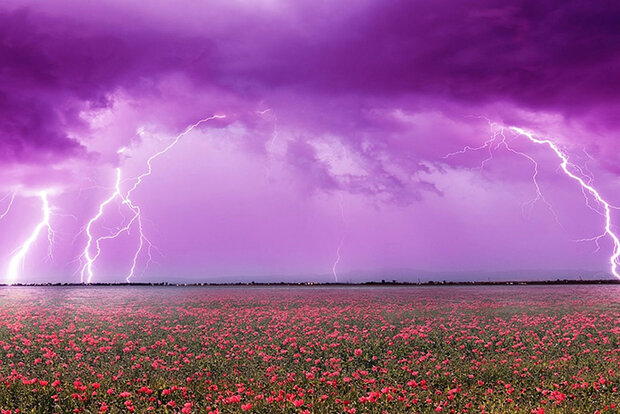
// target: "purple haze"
[[331, 104]]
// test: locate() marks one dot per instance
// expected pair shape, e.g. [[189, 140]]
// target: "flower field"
[[529, 349]]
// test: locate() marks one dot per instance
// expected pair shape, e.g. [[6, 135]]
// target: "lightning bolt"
[[87, 268], [17, 259], [341, 242], [571, 170], [135, 221], [566, 165]]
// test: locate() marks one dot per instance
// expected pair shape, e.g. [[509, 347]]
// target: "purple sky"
[[339, 115]]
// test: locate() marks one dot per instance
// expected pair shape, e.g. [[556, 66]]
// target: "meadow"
[[528, 349]]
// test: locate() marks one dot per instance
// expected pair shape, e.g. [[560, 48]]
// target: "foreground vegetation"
[[304, 350]]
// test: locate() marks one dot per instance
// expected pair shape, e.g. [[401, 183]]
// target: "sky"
[[308, 140]]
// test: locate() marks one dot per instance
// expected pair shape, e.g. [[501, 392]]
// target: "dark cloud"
[[52, 69], [558, 56]]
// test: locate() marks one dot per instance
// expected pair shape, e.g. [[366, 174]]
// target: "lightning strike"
[[86, 272], [87, 269], [341, 242], [19, 255], [581, 175], [135, 221], [566, 165]]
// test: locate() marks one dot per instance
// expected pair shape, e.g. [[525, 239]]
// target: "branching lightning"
[[497, 140], [581, 175], [87, 258], [566, 166], [87, 268], [17, 259]]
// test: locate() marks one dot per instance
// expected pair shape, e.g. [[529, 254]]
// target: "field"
[[527, 349]]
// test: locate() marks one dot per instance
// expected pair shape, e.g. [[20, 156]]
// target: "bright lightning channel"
[[87, 272], [17, 259], [499, 139], [565, 164], [87, 268]]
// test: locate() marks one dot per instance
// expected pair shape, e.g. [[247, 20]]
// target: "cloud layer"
[[361, 99]]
